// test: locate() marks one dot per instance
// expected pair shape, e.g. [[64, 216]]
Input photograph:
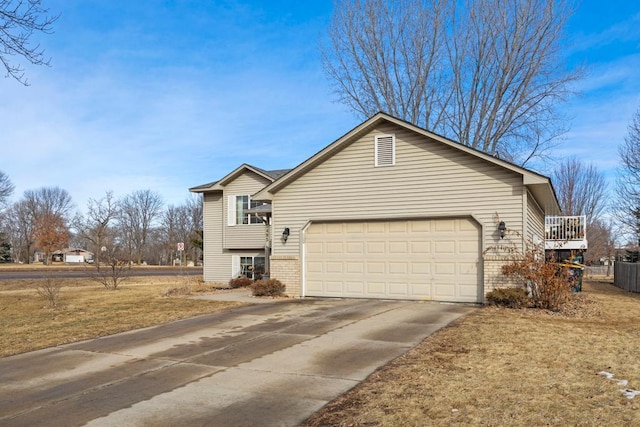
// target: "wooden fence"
[[627, 276]]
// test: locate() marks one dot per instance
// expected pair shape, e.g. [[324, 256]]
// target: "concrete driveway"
[[265, 364]]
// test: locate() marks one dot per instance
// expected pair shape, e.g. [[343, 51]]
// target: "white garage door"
[[418, 259]]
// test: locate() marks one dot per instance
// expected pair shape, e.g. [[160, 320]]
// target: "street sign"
[[181, 246]]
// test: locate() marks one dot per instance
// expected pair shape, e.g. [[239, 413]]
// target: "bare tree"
[[30, 213], [581, 189], [181, 224], [97, 227], [49, 200], [138, 213], [19, 21], [6, 189], [486, 73], [627, 200], [19, 228], [50, 233], [601, 242], [114, 267]]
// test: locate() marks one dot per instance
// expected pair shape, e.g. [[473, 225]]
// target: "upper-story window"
[[238, 206], [385, 150]]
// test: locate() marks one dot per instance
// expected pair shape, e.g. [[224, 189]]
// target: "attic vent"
[[385, 150]]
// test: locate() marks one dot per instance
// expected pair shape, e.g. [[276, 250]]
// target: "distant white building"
[[72, 255]]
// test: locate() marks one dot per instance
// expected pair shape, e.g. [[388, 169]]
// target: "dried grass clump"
[[177, 291]]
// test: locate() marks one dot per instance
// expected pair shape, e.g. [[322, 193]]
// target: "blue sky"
[[167, 95]]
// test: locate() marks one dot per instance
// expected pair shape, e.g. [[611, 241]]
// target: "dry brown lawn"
[[87, 310], [499, 367]]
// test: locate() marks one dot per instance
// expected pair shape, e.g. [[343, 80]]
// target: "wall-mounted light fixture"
[[285, 234], [502, 228]]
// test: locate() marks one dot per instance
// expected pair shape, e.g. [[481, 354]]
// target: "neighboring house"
[[389, 210], [72, 255]]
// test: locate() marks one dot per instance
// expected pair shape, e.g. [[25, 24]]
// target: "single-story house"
[[389, 210], [73, 255]]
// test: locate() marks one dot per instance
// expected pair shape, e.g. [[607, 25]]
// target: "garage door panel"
[[420, 247], [376, 288], [468, 247], [355, 267], [398, 267], [333, 228], [357, 288], [398, 289], [355, 248], [334, 286], [375, 228], [445, 247], [375, 267], [375, 247], [315, 267], [422, 291], [334, 267], [420, 259], [398, 247], [397, 227], [445, 225], [421, 269], [445, 269], [355, 228], [334, 248]]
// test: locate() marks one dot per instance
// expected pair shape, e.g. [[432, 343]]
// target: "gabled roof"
[[218, 185], [539, 185]]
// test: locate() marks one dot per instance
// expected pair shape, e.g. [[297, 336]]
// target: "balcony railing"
[[565, 232]]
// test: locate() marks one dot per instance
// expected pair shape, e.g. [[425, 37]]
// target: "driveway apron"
[[265, 364]]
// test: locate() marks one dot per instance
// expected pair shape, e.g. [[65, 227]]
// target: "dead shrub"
[[49, 289], [267, 288], [240, 282], [548, 284], [509, 297]]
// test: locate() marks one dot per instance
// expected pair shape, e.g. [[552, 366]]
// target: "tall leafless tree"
[[487, 73], [581, 189], [30, 212], [19, 227], [139, 212], [6, 189], [601, 242], [19, 21], [97, 227], [181, 224], [49, 200], [627, 200]]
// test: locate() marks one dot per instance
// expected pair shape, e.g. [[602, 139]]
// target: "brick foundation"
[[286, 268], [493, 277]]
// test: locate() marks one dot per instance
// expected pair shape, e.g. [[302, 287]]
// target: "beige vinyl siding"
[[535, 221], [217, 265], [428, 179], [243, 236]]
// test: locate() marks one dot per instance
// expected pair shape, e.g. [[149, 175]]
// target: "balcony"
[[565, 233]]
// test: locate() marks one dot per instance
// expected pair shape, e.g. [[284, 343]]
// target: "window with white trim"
[[248, 266], [385, 150], [237, 207]]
